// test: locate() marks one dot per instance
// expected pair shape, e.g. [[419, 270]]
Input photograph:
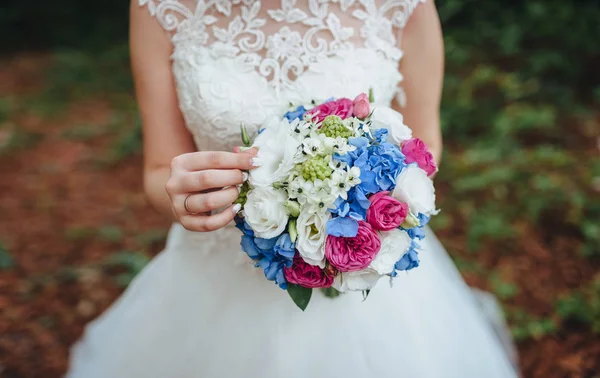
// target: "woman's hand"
[[201, 182]]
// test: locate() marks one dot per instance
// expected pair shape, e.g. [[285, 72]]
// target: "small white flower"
[[394, 244], [301, 128], [319, 199], [276, 154], [388, 118], [265, 211], [355, 281], [415, 188], [342, 147], [311, 236], [342, 181], [299, 187], [337, 164], [313, 146], [355, 125]]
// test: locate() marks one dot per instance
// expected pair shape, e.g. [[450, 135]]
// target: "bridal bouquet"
[[339, 200]]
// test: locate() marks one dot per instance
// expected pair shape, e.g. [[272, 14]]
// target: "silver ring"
[[185, 204]]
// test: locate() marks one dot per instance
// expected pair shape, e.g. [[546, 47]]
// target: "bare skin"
[[174, 170]]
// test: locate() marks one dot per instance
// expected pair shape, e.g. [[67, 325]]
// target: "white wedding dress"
[[199, 309]]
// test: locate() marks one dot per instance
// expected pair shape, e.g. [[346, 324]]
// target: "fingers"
[[198, 181], [203, 202], [202, 223], [197, 161]]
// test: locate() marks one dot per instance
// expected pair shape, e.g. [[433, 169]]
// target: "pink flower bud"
[[362, 108]]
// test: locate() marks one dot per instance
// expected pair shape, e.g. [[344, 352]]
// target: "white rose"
[[265, 211], [355, 281], [385, 117], [311, 236], [415, 188], [394, 244], [276, 151]]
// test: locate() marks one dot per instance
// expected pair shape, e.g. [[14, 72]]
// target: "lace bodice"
[[240, 61]]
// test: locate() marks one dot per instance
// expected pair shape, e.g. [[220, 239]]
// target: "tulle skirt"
[[200, 309]]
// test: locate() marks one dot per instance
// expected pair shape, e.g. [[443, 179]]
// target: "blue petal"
[[358, 142], [380, 135], [368, 181], [341, 207], [280, 280], [423, 219], [272, 269], [357, 211], [250, 248], [295, 114], [416, 233], [409, 261], [362, 160], [346, 158], [265, 244], [361, 198], [345, 227], [244, 227], [356, 215]]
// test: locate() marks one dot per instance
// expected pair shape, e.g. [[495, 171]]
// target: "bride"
[[200, 309]]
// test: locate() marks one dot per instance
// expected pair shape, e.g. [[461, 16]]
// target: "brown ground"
[[63, 214]]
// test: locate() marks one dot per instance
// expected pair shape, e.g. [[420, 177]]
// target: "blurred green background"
[[519, 184]]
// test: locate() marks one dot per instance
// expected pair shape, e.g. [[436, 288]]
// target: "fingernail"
[[255, 162], [239, 188], [236, 208], [244, 176]]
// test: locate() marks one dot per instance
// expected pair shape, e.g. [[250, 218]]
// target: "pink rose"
[[386, 212], [361, 105], [303, 274], [341, 108], [416, 151], [353, 254]]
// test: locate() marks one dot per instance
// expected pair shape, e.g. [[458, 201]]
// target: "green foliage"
[[6, 260], [330, 292], [503, 289], [84, 132], [131, 262], [77, 74], [582, 305], [110, 233], [300, 295], [525, 326]]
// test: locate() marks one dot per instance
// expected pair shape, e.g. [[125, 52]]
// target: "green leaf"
[[330, 292], [300, 295]]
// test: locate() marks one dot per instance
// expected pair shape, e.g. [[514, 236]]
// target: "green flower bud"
[[245, 137], [334, 127], [293, 208], [371, 96], [410, 221], [292, 230], [244, 189], [316, 168]]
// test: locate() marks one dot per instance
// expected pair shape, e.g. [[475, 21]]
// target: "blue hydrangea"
[[386, 161], [410, 260], [271, 255], [295, 114]]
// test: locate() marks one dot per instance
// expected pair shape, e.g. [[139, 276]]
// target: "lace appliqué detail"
[[304, 36]]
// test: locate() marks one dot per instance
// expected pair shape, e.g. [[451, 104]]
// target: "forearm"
[[155, 180]]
